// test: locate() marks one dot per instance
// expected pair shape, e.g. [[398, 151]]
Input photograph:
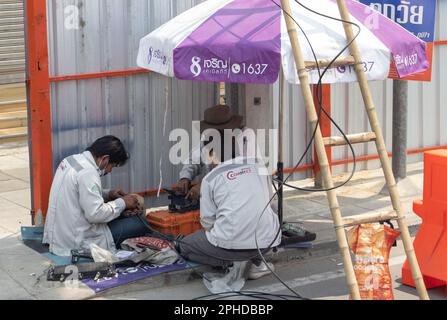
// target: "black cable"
[[321, 109], [319, 99], [319, 95], [251, 295], [245, 293], [308, 147], [172, 239]]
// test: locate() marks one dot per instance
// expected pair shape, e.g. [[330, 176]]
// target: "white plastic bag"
[[102, 255], [233, 280]]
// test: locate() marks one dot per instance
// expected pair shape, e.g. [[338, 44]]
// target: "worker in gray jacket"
[[81, 212], [220, 118]]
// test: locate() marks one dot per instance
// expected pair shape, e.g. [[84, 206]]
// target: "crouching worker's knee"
[[180, 246]]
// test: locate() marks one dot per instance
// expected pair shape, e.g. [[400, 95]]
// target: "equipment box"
[[175, 223]]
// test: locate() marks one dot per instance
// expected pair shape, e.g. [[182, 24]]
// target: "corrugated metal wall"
[[105, 38], [297, 132], [12, 39], [132, 108], [427, 111]]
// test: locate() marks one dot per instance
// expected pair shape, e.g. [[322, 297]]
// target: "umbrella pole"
[[321, 152], [280, 169]]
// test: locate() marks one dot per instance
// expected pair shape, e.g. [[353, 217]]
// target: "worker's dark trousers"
[[124, 228], [197, 248]]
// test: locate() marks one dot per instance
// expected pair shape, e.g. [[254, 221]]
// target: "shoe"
[[263, 269], [298, 233]]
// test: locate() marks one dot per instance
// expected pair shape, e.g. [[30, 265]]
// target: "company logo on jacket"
[[232, 175]]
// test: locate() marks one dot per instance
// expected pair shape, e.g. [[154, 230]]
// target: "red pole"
[[38, 89], [98, 75], [325, 125]]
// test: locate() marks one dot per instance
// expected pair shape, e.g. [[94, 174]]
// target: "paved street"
[[323, 92], [315, 273], [321, 278]]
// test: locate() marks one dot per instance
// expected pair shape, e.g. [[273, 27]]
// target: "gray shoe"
[[263, 269]]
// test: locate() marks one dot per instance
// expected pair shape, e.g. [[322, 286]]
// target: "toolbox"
[[174, 223], [182, 217]]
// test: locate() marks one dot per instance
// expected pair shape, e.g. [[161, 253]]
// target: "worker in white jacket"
[[218, 118], [234, 212], [80, 211]]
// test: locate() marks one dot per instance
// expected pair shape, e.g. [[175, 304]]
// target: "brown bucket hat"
[[221, 117]]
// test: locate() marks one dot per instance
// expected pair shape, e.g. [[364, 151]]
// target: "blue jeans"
[[124, 228]]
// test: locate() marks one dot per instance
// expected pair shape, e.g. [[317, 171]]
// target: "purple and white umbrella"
[[246, 41]]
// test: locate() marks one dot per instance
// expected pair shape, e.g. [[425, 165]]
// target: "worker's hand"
[[194, 192], [131, 203], [115, 194], [131, 213], [184, 185]]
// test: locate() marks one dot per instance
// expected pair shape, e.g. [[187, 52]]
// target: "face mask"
[[102, 172]]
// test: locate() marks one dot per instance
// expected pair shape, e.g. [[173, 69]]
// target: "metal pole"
[[280, 172], [400, 121]]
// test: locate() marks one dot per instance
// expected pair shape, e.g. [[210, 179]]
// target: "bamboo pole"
[[353, 139], [321, 152], [326, 62], [381, 148], [369, 218]]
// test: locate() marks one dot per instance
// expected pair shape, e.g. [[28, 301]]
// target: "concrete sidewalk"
[[23, 271]]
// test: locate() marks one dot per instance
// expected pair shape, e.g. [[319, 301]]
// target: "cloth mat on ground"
[[32, 238]]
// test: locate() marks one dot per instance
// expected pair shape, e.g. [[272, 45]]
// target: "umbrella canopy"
[[246, 41]]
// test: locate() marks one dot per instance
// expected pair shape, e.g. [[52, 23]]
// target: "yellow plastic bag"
[[371, 245]]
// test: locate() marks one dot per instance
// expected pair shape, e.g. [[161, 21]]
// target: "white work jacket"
[[233, 197], [194, 168], [77, 212]]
